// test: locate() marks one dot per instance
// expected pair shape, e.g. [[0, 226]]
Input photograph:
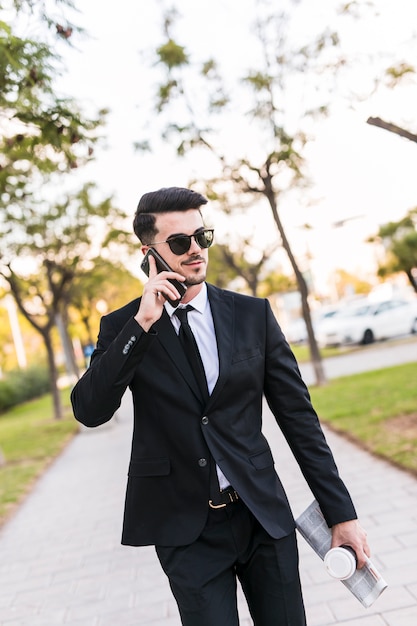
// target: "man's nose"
[[194, 248]]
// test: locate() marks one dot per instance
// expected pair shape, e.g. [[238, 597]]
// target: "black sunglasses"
[[182, 243]]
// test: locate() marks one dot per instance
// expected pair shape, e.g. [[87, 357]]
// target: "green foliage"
[[219, 272], [258, 80], [276, 282], [400, 242], [45, 136], [397, 73], [60, 241], [172, 55], [42, 132], [21, 385], [345, 282]]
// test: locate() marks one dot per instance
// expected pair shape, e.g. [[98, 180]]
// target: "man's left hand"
[[352, 534]]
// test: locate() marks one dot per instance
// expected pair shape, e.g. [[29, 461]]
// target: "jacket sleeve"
[[98, 393], [289, 400]]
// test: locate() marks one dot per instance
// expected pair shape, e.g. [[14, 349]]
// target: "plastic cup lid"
[[340, 563]]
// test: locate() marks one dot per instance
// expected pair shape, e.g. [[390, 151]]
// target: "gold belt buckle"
[[221, 506], [216, 506]]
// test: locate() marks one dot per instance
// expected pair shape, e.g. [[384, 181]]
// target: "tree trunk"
[[86, 321], [53, 376], [45, 332], [412, 279], [303, 289], [71, 363]]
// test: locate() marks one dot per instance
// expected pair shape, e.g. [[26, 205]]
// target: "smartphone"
[[162, 266]]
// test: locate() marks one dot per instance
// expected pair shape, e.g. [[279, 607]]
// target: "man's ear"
[[144, 249]]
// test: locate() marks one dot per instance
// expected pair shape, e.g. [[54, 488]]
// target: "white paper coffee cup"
[[340, 563]]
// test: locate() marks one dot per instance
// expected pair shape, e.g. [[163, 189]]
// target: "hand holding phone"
[[162, 266]]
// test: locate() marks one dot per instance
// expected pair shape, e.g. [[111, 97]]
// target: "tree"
[[42, 132], [44, 137], [400, 242], [274, 166], [58, 242], [296, 75]]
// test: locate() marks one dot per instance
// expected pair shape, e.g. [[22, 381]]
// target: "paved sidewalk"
[[61, 561]]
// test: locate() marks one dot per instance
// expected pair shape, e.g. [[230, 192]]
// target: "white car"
[[296, 331], [368, 322]]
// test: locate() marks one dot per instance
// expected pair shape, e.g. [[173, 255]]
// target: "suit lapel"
[[169, 341]]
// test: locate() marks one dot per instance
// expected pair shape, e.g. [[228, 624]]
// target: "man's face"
[[193, 263]]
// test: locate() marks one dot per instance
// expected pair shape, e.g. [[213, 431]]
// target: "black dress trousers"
[[233, 545]]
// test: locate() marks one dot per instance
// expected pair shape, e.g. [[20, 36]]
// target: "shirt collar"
[[199, 302]]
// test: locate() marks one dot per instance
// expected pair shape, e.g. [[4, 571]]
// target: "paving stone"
[[402, 617]]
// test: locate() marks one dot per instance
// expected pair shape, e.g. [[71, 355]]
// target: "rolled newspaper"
[[365, 584]]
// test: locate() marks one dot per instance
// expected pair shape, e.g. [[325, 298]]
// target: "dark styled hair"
[[164, 200]]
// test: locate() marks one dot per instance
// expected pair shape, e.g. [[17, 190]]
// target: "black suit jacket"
[[168, 479]]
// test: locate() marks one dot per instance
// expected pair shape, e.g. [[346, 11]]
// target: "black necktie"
[[189, 344]]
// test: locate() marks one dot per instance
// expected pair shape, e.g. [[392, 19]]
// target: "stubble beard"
[[196, 278]]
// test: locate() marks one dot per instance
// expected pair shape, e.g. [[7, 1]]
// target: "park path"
[[61, 562]]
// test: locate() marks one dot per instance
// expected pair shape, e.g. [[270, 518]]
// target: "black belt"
[[228, 496]]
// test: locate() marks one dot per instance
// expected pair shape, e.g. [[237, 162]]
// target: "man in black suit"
[[202, 486]]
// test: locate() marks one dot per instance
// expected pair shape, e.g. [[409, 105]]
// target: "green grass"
[[302, 352], [29, 440], [377, 409]]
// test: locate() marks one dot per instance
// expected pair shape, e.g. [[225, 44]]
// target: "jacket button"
[[202, 462], [204, 420]]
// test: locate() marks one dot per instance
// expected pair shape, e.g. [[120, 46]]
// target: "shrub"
[[21, 385]]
